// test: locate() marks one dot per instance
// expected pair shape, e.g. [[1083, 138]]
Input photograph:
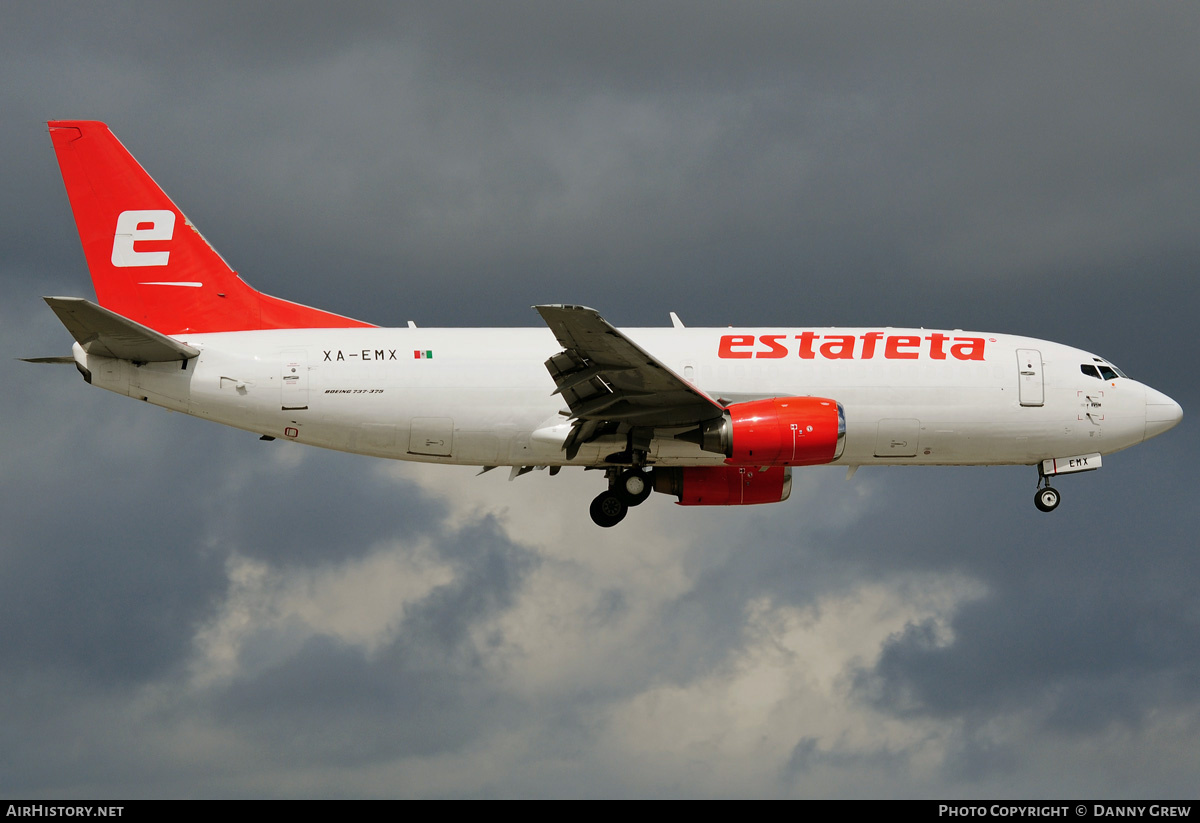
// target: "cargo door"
[[897, 437], [431, 435]]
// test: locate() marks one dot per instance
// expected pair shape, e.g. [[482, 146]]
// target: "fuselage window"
[[1090, 371]]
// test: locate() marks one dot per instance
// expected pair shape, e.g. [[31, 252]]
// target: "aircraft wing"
[[605, 378], [108, 334]]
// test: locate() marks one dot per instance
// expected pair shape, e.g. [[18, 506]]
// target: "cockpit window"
[[1090, 371], [1108, 367]]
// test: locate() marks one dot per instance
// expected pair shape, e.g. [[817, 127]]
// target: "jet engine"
[[724, 485], [777, 431]]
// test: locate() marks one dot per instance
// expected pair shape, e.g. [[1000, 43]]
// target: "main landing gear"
[[626, 488], [1047, 498]]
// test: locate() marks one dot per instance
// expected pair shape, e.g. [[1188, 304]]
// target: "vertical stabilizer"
[[148, 262]]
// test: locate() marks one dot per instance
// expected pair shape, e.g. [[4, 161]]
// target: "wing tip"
[[562, 307]]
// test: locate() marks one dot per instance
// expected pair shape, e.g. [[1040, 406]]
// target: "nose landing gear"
[[1047, 498]]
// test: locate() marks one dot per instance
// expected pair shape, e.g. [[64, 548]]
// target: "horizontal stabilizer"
[[63, 359], [108, 334]]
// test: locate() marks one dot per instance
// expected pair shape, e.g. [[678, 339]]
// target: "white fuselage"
[[483, 396]]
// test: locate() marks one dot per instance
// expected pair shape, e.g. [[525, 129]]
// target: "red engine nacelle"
[[724, 485], [777, 431]]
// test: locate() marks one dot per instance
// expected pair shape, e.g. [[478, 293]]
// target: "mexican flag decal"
[[423, 355]]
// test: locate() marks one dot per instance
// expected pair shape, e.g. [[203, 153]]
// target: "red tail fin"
[[147, 261]]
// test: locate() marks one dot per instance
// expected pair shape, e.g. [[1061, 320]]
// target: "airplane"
[[710, 416]]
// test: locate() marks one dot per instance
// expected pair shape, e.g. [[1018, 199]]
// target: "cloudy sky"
[[186, 611]]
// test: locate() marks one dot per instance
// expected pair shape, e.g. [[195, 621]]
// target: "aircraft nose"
[[1162, 413]]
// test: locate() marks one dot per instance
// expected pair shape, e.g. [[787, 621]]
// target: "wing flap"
[[108, 334], [605, 377]]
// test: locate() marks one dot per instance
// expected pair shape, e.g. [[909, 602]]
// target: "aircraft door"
[[294, 379], [1029, 377]]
